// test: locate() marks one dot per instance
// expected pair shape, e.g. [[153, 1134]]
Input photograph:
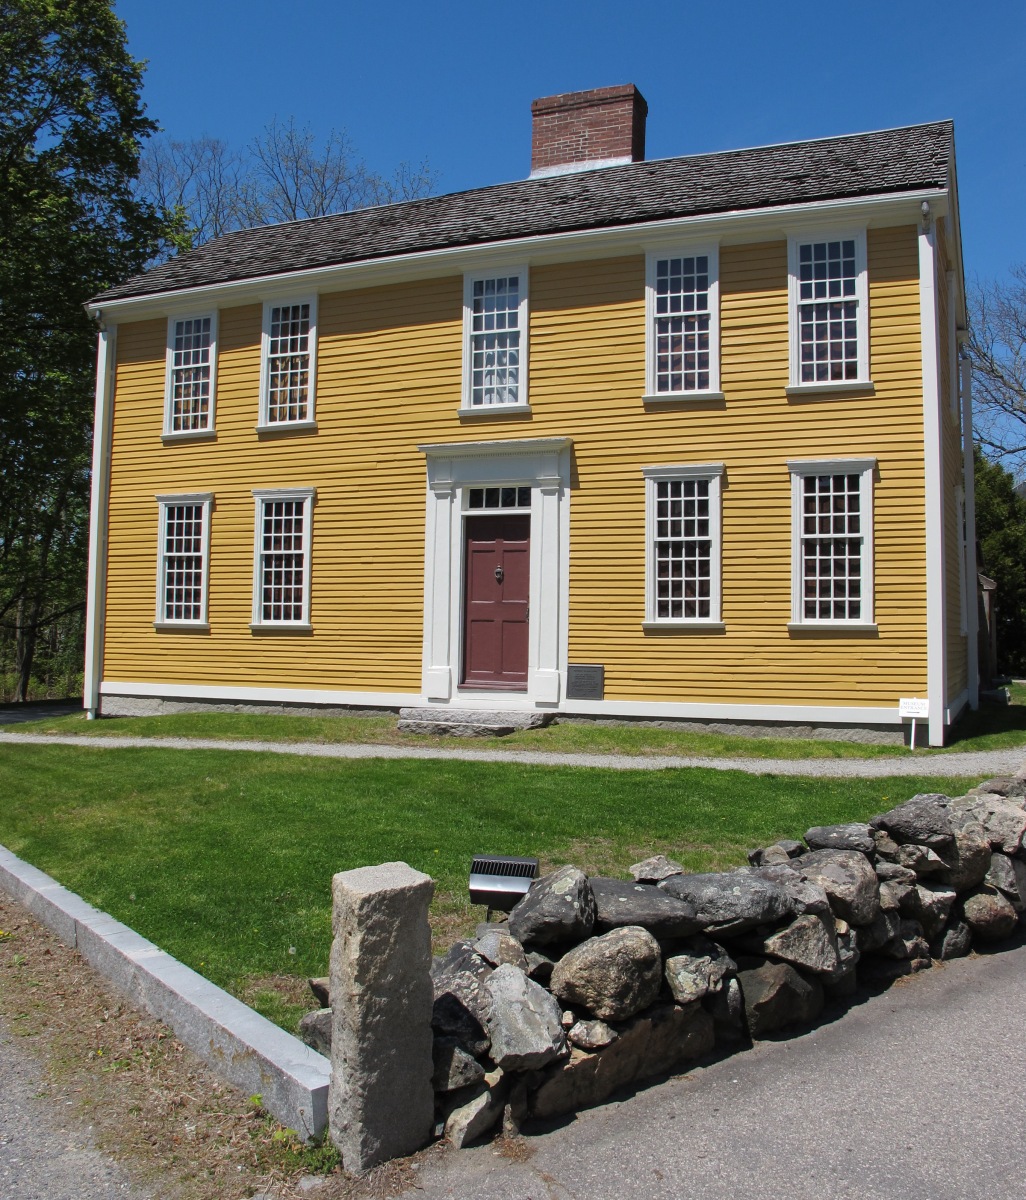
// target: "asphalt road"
[[918, 1093]]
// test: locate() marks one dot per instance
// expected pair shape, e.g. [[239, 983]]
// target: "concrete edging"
[[237, 1043]]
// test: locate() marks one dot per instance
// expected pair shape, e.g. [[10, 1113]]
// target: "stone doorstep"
[[237, 1043], [470, 722]]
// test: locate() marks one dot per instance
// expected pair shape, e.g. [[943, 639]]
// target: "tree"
[[1001, 538], [997, 347], [71, 125], [283, 176]]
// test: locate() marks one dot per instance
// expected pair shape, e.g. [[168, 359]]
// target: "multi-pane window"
[[189, 406], [683, 320], [288, 363], [495, 335], [282, 584], [182, 559], [833, 542], [683, 544], [682, 324], [829, 337], [499, 497]]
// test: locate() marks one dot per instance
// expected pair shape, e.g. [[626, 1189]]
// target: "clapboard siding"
[[388, 379]]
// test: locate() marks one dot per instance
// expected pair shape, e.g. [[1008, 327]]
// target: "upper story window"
[[495, 341], [682, 335], [190, 378], [289, 364], [832, 542], [281, 568], [683, 567], [829, 312], [183, 556]]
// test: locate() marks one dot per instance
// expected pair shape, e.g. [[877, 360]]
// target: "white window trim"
[[467, 408], [713, 472], [264, 425], [175, 435], [652, 396], [166, 501], [260, 496], [866, 469], [863, 382], [963, 574]]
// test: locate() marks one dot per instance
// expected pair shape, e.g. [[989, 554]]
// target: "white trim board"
[[237, 1043], [96, 579]]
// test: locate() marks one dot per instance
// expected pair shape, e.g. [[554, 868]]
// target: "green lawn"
[[993, 727], [225, 860]]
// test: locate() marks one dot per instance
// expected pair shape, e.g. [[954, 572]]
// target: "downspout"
[[100, 492], [936, 683], [969, 549]]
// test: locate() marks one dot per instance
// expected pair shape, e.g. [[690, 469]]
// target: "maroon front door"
[[497, 565]]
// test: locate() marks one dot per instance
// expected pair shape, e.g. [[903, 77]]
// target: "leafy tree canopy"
[[1001, 537]]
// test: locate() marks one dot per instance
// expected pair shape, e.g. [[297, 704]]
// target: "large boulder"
[[804, 895], [953, 942], [477, 1114], [1008, 875], [841, 837], [775, 996], [990, 915], [884, 928], [924, 820], [619, 904], [848, 879], [930, 904], [523, 1021], [461, 1008], [966, 859], [1003, 821], [454, 1068], [809, 942], [659, 1041], [730, 902], [692, 976], [909, 944], [591, 1035], [612, 976], [497, 946], [559, 908], [920, 860]]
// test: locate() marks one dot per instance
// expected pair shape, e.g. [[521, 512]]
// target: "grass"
[[226, 860], [993, 727]]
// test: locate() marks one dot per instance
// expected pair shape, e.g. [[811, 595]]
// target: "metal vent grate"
[[499, 881]]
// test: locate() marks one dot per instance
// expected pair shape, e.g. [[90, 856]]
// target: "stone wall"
[[595, 984]]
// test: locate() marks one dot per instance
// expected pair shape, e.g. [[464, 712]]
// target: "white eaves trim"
[[736, 227]]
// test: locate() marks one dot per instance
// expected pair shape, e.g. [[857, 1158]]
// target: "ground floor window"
[[183, 559], [281, 588]]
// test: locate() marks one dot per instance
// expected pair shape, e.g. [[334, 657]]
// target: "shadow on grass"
[[988, 720]]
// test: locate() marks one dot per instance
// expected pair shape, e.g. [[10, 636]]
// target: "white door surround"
[[543, 464]]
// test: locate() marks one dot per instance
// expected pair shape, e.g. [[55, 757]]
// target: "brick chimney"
[[580, 130]]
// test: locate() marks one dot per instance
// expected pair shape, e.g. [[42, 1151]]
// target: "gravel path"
[[971, 763], [46, 1154]]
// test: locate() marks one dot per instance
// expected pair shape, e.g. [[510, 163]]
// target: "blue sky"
[[452, 82]]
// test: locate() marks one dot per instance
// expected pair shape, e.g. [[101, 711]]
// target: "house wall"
[[389, 364]]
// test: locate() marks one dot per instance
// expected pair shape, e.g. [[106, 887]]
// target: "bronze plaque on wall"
[[586, 682]]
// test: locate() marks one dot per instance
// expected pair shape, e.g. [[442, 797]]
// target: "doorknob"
[[498, 574]]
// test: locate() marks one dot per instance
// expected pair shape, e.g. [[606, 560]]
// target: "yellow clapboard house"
[[685, 439]]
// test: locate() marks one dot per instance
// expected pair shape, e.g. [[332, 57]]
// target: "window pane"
[[288, 363], [282, 561], [682, 324], [682, 550], [190, 375], [827, 312], [182, 563], [831, 565], [495, 341]]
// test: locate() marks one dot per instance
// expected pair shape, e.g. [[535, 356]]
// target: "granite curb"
[[957, 764], [237, 1043]]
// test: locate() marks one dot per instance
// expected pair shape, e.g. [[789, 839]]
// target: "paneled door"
[[495, 602]]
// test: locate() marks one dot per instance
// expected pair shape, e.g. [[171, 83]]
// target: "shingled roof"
[[864, 164]]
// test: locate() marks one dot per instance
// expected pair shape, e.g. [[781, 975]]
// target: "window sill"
[[293, 627], [182, 626], [484, 411], [814, 391], [189, 435], [287, 427], [684, 626], [682, 399], [811, 627]]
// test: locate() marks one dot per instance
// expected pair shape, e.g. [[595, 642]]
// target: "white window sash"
[[169, 375], [712, 252], [713, 474], [261, 498], [308, 421], [800, 469], [467, 393], [204, 500], [816, 237]]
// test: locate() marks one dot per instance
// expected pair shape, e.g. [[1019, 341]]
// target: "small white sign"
[[912, 706]]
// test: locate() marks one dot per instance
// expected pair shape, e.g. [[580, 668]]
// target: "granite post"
[[381, 1101]]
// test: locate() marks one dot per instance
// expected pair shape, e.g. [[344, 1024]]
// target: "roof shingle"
[[864, 164]]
